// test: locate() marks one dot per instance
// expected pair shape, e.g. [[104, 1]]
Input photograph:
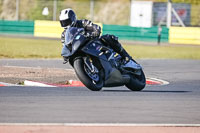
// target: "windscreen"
[[70, 34]]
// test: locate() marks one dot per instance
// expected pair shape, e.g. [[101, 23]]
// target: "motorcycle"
[[97, 65]]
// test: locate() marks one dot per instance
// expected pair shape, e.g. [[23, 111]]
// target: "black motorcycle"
[[97, 65]]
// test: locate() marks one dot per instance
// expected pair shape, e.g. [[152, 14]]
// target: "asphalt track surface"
[[176, 103]]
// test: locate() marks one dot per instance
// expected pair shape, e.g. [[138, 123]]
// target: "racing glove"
[[95, 34]]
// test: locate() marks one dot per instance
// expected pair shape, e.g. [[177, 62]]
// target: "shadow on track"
[[157, 91], [153, 91]]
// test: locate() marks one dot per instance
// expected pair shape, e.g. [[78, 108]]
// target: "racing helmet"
[[67, 18]]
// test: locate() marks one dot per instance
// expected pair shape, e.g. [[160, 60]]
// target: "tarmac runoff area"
[[182, 83]]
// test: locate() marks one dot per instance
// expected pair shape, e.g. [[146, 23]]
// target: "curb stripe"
[[7, 84], [73, 83], [97, 129], [159, 81], [33, 83]]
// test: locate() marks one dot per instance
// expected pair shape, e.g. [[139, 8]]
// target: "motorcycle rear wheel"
[[137, 82], [81, 72]]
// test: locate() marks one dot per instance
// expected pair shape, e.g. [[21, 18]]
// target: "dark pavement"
[[176, 103]]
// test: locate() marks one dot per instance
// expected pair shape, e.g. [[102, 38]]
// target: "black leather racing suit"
[[93, 29]]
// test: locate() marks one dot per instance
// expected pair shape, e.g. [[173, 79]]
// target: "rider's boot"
[[112, 41], [125, 56], [116, 45]]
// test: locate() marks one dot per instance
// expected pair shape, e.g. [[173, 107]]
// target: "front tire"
[[82, 73], [137, 82]]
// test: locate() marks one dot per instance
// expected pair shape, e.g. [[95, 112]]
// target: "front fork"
[[89, 63]]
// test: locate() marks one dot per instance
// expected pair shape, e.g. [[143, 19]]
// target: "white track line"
[[68, 69], [33, 83], [100, 124]]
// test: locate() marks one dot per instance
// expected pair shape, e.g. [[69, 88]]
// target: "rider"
[[68, 19]]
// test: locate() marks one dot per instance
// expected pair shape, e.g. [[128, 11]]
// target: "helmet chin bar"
[[73, 23], [67, 27]]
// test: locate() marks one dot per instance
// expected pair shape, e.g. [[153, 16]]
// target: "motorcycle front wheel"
[[137, 82], [92, 81]]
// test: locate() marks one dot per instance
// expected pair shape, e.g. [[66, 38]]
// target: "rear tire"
[[79, 67], [137, 82]]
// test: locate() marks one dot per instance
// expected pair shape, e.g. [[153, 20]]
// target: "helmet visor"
[[65, 23]]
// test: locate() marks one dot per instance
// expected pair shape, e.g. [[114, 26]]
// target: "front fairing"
[[73, 40], [66, 52], [94, 48]]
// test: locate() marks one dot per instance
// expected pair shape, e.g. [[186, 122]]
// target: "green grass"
[[41, 48], [29, 48], [165, 52]]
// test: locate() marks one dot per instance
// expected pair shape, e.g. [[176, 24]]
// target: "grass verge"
[[164, 52], [42, 48], [29, 48]]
